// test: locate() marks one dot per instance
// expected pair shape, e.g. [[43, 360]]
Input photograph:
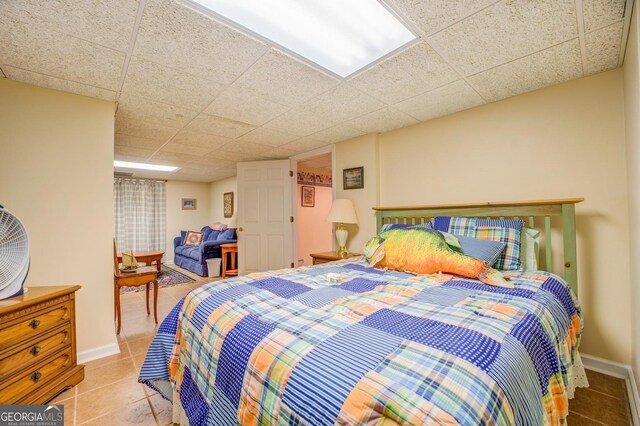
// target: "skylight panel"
[[340, 36]]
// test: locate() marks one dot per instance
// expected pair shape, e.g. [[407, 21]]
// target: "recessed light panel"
[[340, 36], [144, 166]]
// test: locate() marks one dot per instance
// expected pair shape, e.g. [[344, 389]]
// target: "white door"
[[264, 216]]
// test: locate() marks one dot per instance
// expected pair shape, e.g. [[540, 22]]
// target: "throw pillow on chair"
[[193, 238]]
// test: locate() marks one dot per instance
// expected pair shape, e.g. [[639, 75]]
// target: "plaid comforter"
[[296, 347]]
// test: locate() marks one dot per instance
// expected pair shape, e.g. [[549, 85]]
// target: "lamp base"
[[341, 236]]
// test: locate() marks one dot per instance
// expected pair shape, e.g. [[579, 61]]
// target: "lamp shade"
[[233, 221], [342, 211]]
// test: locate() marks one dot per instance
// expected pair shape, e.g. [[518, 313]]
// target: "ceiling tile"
[[603, 48], [233, 156], [245, 105], [172, 158], [210, 161], [551, 66], [129, 157], [434, 15], [279, 153], [177, 36], [267, 136], [108, 23], [143, 129], [203, 140], [184, 149], [137, 142], [336, 134], [58, 84], [299, 122], [205, 123], [133, 152], [342, 103], [244, 147], [304, 144], [149, 80], [135, 107], [456, 96], [411, 72], [382, 120], [506, 31], [35, 48], [601, 13], [285, 80]]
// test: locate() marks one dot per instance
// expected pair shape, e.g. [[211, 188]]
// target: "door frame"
[[294, 190]]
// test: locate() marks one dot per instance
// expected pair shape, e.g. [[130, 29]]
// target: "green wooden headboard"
[[534, 213]]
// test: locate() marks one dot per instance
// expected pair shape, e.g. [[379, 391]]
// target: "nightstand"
[[328, 256]]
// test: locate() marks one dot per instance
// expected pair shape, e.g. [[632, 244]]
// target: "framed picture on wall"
[[308, 198], [228, 204], [353, 178], [189, 203]]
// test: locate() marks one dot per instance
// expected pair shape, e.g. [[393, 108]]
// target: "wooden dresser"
[[38, 345]]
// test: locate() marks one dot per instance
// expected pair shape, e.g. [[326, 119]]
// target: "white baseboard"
[[622, 371], [97, 353]]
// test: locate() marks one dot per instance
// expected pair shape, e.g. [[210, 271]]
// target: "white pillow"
[[530, 250]]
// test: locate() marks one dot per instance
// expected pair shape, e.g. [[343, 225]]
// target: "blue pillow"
[[227, 234], [213, 235], [487, 250]]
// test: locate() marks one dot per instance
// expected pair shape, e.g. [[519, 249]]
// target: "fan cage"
[[14, 254]]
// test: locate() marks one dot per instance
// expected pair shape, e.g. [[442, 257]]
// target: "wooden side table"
[[229, 250], [329, 256]]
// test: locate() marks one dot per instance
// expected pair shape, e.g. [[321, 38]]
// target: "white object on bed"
[[530, 249]]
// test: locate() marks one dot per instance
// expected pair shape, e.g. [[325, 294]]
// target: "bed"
[[345, 343]]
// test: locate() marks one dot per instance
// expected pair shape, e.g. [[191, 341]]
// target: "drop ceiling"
[[199, 94]]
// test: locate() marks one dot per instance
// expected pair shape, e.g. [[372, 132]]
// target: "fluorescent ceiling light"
[[340, 36], [144, 166]]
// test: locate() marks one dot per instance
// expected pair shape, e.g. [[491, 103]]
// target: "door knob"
[[240, 229]]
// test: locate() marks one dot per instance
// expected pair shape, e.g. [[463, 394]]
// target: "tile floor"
[[111, 395]]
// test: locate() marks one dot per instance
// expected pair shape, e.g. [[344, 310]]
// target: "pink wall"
[[315, 234]]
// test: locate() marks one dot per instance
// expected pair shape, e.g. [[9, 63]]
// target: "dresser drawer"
[[37, 350], [32, 379], [33, 324]]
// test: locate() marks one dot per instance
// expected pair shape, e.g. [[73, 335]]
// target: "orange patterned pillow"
[[193, 238]]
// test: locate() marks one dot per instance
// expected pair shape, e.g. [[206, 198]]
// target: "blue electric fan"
[[14, 255]]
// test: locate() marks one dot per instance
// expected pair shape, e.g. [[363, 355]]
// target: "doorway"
[[314, 196]]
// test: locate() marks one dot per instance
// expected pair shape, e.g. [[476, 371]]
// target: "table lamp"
[[342, 211]]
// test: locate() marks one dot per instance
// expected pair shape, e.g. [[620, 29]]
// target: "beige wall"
[[360, 151], [563, 141], [188, 220], [313, 232], [56, 175], [632, 114], [216, 193]]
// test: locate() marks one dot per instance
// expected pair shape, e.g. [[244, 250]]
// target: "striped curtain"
[[140, 214]]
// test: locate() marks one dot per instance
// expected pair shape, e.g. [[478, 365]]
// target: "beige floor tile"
[[123, 355], [100, 401], [600, 407], [139, 346], [69, 411], [606, 384], [162, 409], [136, 413], [68, 394], [107, 374]]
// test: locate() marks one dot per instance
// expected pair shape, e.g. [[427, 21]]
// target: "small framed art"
[[228, 204], [189, 203], [308, 196], [353, 178]]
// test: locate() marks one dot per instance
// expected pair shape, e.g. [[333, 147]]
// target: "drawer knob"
[[36, 376], [34, 323], [35, 350]]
